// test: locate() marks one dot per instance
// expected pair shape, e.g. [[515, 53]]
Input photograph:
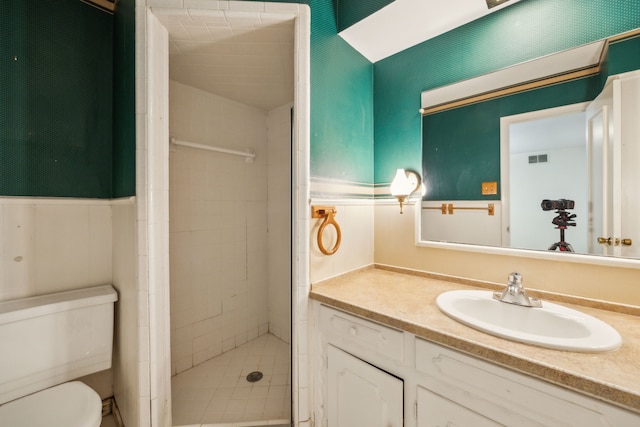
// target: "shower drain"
[[254, 376]]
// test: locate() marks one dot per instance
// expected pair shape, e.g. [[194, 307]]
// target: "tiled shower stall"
[[230, 221], [230, 246], [242, 187], [230, 241]]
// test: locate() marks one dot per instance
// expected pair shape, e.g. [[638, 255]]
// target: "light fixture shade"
[[401, 185], [404, 184]]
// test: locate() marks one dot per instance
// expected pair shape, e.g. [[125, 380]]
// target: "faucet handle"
[[515, 278], [515, 293]]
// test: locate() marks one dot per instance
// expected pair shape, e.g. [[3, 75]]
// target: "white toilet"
[[47, 340]]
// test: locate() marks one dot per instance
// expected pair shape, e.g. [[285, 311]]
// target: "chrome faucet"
[[514, 293]]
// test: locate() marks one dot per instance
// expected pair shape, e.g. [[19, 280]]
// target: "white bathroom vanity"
[[386, 356]]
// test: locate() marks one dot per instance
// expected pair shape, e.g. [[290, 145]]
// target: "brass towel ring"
[[328, 213]]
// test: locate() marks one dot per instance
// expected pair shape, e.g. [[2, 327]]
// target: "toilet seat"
[[72, 404]]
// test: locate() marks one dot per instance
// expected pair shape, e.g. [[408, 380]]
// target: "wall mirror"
[[562, 128]]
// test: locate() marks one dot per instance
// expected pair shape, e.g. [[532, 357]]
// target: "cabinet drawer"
[[355, 330], [510, 398], [435, 411]]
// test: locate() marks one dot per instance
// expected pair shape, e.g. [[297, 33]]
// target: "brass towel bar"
[[442, 208], [449, 208]]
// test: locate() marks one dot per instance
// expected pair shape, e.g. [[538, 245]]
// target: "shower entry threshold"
[[272, 423]]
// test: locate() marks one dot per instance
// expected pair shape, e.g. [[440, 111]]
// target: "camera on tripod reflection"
[[562, 221], [560, 204]]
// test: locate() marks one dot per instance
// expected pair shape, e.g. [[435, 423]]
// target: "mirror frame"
[[522, 253], [508, 251]]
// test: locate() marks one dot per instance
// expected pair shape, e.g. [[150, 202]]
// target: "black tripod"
[[563, 220]]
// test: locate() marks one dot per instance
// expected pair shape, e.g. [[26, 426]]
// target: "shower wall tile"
[[356, 249], [128, 313], [18, 250], [62, 246], [281, 7], [301, 173], [218, 226], [100, 254], [157, 241], [51, 245], [5, 289], [279, 217], [301, 170]]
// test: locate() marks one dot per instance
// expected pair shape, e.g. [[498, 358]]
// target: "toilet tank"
[[49, 339]]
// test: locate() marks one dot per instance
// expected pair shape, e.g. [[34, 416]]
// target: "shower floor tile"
[[217, 391]]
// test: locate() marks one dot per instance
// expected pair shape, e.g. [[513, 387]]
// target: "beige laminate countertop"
[[408, 302]]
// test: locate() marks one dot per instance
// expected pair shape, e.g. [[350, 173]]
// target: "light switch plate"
[[489, 188]]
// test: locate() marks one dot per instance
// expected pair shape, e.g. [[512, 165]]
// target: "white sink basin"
[[552, 326]]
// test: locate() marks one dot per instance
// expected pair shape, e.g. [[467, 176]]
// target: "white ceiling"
[[248, 56], [406, 23], [550, 133], [243, 56]]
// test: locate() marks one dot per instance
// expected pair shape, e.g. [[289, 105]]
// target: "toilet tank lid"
[[41, 305]]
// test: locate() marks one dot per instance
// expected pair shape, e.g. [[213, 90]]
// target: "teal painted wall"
[[341, 103], [523, 31], [55, 99], [341, 98], [462, 145], [456, 159], [73, 137], [124, 100], [623, 56], [345, 118], [351, 11]]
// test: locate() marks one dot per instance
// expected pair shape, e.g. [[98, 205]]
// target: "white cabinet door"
[[436, 411], [361, 395]]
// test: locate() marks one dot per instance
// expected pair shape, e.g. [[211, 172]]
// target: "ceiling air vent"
[[540, 158], [494, 3]]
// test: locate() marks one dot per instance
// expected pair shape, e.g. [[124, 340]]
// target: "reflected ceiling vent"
[[106, 5], [494, 3], [540, 158]]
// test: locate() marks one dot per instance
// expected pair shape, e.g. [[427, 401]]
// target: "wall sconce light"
[[404, 184]]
